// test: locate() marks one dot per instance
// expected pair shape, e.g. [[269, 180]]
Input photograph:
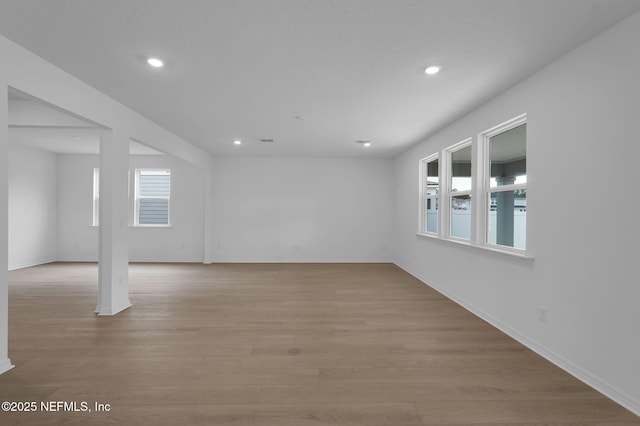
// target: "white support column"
[[5, 363], [208, 217], [113, 280]]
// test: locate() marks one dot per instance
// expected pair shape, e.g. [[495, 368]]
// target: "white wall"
[[302, 209], [32, 206], [582, 208], [263, 209], [77, 239], [181, 242]]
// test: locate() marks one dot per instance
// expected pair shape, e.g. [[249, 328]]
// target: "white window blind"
[[153, 191]]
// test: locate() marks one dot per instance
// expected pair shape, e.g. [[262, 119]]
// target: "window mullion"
[[479, 214]]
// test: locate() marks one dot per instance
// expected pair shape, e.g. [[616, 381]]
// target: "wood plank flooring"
[[275, 344]]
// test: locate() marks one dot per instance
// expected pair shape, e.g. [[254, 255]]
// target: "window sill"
[[481, 248]]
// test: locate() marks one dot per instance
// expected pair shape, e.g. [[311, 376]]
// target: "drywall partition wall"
[[276, 209], [582, 150], [181, 242], [32, 206]]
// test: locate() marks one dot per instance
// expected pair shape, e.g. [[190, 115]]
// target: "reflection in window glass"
[[430, 192], [509, 157], [432, 215], [433, 187], [461, 217], [461, 170], [432, 178], [508, 218], [507, 188]]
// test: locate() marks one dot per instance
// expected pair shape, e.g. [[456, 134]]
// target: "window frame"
[[485, 190], [480, 192], [448, 193], [136, 213], [424, 196]]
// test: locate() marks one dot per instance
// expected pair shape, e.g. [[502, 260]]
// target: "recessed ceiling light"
[[237, 142], [433, 69], [364, 143], [155, 62]]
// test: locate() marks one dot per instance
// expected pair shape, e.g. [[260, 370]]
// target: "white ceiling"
[[352, 69]]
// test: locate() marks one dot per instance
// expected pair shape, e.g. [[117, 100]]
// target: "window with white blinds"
[[153, 193]]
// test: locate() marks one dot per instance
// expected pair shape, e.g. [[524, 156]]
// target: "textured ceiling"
[[349, 69]]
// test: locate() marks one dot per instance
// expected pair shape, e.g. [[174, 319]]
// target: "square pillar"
[[5, 363], [113, 268], [208, 217]]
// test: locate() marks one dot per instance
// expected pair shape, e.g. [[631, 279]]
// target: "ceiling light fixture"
[[155, 62], [237, 142], [364, 143], [433, 69]]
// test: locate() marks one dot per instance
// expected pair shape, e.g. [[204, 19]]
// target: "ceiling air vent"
[[266, 140]]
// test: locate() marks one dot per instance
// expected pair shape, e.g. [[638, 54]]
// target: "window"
[[506, 184], [152, 195], [475, 192], [459, 188], [429, 193], [96, 197]]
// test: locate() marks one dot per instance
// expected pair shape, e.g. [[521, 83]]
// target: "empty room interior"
[[319, 212]]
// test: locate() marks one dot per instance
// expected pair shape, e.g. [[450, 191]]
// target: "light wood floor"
[[278, 344]]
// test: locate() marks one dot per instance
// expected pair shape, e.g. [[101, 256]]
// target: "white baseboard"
[[112, 310], [218, 260], [136, 260], [89, 259], [297, 260], [30, 264], [578, 372], [165, 260], [5, 365]]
